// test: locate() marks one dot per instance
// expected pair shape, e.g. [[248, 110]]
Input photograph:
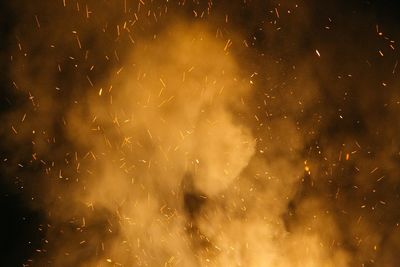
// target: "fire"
[[200, 133]]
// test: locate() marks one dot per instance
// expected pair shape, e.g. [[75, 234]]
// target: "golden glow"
[[165, 141]]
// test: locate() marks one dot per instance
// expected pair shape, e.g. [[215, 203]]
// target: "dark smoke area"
[[199, 133]]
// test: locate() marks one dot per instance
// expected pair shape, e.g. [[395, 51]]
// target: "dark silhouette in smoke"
[[193, 200]]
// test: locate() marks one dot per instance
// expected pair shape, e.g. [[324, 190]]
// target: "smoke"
[[150, 133]]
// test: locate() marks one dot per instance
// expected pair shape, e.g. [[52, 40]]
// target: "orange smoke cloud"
[[150, 133]]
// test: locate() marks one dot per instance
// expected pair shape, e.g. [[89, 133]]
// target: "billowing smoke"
[[175, 133]]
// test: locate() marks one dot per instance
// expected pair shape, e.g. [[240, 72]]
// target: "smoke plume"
[[200, 133]]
